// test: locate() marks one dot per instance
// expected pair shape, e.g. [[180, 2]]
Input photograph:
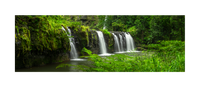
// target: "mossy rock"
[[109, 39], [22, 39], [39, 34], [84, 38]]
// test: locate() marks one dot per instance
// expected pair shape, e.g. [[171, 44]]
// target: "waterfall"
[[116, 45], [73, 52], [132, 42], [102, 43], [121, 43], [104, 23], [129, 42], [124, 42]]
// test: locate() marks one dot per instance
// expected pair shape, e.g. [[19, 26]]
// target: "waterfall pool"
[[50, 69]]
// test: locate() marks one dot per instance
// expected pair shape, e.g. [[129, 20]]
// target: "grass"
[[159, 61]]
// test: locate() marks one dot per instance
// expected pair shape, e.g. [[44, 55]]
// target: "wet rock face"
[[35, 57], [109, 43], [94, 44], [90, 43], [38, 58], [62, 57], [17, 62]]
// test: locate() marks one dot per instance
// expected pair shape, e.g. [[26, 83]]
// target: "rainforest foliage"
[[147, 29], [164, 35], [165, 58], [42, 32]]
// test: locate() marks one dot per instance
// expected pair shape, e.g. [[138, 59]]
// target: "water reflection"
[[52, 67]]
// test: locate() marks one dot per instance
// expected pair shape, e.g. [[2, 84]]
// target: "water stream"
[[121, 43], [73, 53], [102, 44], [129, 42], [116, 45], [104, 27]]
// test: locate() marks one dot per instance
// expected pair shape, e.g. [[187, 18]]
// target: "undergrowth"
[[157, 64]]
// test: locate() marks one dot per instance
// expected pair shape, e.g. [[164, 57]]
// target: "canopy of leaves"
[[147, 29]]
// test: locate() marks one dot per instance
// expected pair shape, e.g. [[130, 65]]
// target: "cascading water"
[[129, 42], [121, 43], [102, 43], [73, 52], [104, 27], [116, 45]]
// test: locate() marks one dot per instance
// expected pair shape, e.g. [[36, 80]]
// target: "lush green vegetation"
[[106, 32], [42, 35], [147, 29], [43, 32], [167, 57]]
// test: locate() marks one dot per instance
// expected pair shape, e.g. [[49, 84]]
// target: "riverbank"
[[167, 57]]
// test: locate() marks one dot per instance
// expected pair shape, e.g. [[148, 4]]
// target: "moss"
[[111, 42], [74, 26], [85, 28], [83, 35], [48, 32], [93, 29], [23, 36], [40, 34], [95, 36], [110, 38], [91, 38], [106, 32]]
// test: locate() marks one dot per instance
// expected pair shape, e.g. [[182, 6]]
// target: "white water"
[[132, 42], [104, 27], [102, 43], [129, 42], [73, 52], [121, 43], [103, 50], [78, 59], [116, 45]]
